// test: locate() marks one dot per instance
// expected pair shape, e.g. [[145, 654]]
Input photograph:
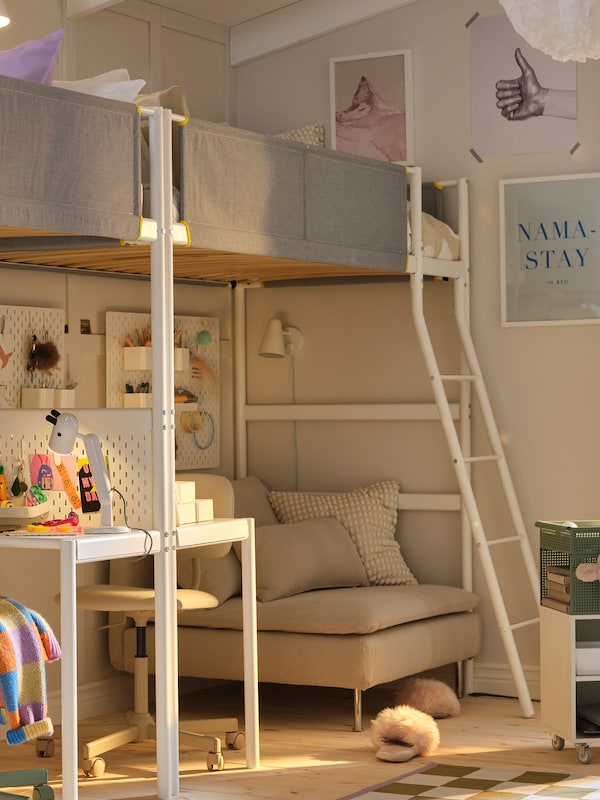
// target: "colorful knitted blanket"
[[26, 645]]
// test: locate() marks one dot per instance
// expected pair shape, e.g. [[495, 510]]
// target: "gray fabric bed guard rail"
[[246, 192], [70, 162]]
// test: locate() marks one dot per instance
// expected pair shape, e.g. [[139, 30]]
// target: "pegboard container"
[[18, 326], [566, 546], [197, 366]]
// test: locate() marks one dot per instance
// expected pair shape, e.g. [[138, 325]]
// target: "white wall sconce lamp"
[[4, 18], [278, 342]]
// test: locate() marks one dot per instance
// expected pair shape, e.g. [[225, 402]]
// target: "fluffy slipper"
[[395, 752], [402, 732], [428, 695]]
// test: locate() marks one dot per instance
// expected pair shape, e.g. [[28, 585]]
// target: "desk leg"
[[167, 697], [250, 648], [68, 677]]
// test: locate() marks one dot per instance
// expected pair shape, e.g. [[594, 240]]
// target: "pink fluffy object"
[[429, 696], [403, 732]]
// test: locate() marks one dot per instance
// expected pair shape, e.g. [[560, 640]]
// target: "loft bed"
[[253, 207]]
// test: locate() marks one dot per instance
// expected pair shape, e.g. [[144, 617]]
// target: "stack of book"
[[558, 587]]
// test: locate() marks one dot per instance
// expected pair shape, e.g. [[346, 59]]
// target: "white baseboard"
[[497, 679], [95, 699]]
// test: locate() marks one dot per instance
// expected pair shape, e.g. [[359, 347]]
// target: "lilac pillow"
[[34, 60]]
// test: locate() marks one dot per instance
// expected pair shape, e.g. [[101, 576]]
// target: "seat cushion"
[[355, 610]]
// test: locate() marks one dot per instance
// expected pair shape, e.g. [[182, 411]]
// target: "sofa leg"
[[357, 710], [460, 679]]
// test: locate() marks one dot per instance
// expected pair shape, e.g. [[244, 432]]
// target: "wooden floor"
[[309, 751]]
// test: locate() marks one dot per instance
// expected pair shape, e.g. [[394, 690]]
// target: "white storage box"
[[204, 510], [587, 658], [185, 492], [64, 398], [137, 400], [186, 513], [181, 359], [137, 358], [37, 398]]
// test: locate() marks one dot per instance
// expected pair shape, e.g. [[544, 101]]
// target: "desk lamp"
[[62, 441]]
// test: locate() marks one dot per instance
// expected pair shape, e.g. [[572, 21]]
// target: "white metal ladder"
[[471, 378]]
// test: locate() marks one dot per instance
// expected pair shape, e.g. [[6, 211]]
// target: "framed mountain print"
[[371, 102]]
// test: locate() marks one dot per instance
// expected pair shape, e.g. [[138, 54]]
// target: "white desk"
[[84, 549]]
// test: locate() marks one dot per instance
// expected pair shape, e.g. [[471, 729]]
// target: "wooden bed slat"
[[188, 263]]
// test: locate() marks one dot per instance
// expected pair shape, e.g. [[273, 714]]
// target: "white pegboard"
[[126, 440], [197, 432], [18, 324]]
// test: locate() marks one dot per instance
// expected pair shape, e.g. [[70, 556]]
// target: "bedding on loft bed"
[[70, 162], [255, 207]]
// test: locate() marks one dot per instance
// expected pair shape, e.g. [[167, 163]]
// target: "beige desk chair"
[[137, 603]]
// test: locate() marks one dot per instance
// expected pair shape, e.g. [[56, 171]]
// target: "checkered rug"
[[453, 782]]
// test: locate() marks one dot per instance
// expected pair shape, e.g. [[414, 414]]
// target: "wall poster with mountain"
[[371, 99]]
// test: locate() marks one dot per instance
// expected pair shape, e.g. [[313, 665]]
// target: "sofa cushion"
[[368, 514], [313, 554], [221, 577], [252, 500], [358, 610]]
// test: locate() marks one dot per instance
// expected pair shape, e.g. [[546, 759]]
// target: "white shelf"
[[7, 514]]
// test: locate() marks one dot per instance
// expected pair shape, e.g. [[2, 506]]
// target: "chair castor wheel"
[[215, 761], [94, 767], [235, 740], [584, 753], [43, 792], [44, 748]]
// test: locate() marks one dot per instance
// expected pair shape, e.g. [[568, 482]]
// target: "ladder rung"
[[471, 459], [459, 377], [526, 622], [504, 540]]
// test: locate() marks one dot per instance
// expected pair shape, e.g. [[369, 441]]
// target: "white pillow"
[[369, 515], [115, 85]]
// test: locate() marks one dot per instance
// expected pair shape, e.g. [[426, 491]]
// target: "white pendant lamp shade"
[[567, 30], [4, 18]]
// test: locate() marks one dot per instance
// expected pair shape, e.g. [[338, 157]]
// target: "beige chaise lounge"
[[352, 635]]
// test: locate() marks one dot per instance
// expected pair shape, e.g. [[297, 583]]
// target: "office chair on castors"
[[137, 603]]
